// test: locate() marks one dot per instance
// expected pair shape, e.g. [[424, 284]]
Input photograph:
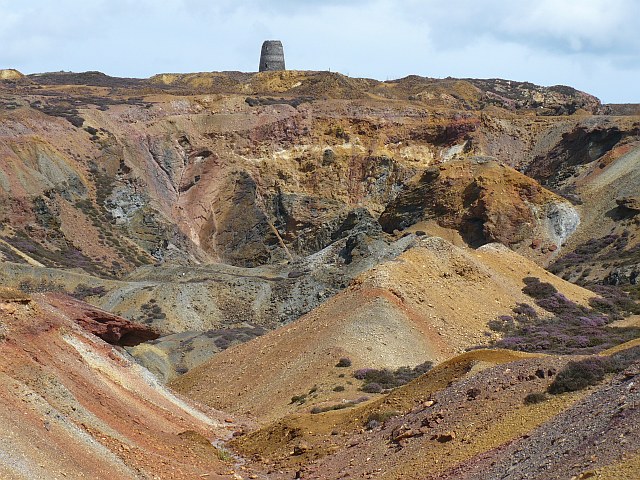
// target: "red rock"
[[111, 328]]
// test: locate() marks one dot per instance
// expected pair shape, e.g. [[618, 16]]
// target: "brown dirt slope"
[[430, 303], [467, 418], [72, 406], [328, 432]]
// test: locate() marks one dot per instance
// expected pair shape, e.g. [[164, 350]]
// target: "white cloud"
[[590, 44], [577, 25]]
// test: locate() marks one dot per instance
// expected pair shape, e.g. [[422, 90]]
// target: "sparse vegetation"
[[151, 312], [344, 362], [261, 101], [223, 454], [60, 108], [299, 399], [340, 133], [83, 291], [338, 406], [579, 375], [377, 380], [536, 397], [378, 418], [225, 337], [571, 328], [383, 416], [586, 252], [42, 286], [63, 254]]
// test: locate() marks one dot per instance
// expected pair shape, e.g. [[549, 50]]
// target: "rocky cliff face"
[[486, 202], [284, 182], [198, 168]]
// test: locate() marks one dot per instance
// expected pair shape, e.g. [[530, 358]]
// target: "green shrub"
[[536, 397], [382, 417], [223, 454]]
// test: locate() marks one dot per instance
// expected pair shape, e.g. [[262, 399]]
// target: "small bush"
[[372, 387], [536, 397], [537, 289], [299, 399], [338, 388], [338, 406], [344, 362], [382, 417], [29, 286], [371, 424], [386, 379], [223, 454], [75, 120], [579, 375]]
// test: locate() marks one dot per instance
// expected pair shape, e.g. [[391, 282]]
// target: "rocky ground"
[[429, 304], [242, 234], [75, 407], [477, 427]]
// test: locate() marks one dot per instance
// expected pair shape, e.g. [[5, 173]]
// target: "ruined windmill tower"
[[271, 56]]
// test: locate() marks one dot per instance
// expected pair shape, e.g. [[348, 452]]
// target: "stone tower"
[[271, 56]]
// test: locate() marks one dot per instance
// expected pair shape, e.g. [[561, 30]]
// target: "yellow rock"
[[10, 74]]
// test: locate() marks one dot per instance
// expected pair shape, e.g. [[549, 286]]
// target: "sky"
[[592, 45]]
